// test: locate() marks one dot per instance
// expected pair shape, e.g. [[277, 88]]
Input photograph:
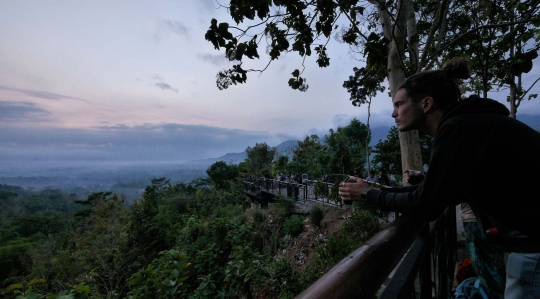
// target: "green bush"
[[361, 226], [274, 242], [12, 256], [316, 215], [244, 272], [285, 205], [333, 195], [80, 291], [193, 229], [287, 278], [293, 226], [228, 211], [163, 278], [321, 189], [333, 252], [258, 217]]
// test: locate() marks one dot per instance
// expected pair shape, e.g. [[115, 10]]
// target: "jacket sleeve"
[[452, 157]]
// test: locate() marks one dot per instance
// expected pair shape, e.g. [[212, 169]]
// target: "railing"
[[425, 255], [293, 190]]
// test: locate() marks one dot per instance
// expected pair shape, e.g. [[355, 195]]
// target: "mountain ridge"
[[285, 148], [377, 134]]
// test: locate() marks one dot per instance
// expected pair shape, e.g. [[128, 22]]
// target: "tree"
[[500, 54], [94, 251], [221, 173], [308, 156], [394, 39], [303, 23], [151, 221], [281, 165], [387, 155], [259, 158], [347, 147]]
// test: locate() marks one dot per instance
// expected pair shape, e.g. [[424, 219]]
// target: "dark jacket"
[[477, 148]]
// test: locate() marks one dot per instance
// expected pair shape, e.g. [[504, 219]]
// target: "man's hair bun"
[[458, 68]]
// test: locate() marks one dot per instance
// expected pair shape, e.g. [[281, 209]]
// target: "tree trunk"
[[411, 154], [513, 102]]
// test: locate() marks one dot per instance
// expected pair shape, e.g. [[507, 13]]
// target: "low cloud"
[[176, 27], [22, 111], [380, 119], [162, 84], [166, 28], [148, 142], [214, 59], [166, 86], [40, 94]]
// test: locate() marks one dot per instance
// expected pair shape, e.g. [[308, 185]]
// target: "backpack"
[[471, 288], [465, 270]]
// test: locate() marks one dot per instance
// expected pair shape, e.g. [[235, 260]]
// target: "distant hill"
[[532, 121], [378, 134], [284, 148], [287, 147]]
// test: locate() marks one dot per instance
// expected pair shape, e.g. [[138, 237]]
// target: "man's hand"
[[352, 190], [414, 177]]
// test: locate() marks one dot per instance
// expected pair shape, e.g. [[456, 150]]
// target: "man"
[[475, 141]]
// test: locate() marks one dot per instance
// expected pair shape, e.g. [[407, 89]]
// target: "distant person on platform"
[[383, 178], [324, 178], [476, 145], [372, 178]]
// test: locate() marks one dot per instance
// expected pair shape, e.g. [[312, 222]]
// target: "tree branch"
[[479, 28], [398, 19], [527, 91], [437, 23], [355, 27]]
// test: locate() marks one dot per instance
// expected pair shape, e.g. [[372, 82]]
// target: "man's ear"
[[428, 104]]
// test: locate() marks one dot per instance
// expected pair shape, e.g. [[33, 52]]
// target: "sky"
[[133, 80]]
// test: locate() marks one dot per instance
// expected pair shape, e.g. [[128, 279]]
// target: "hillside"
[[301, 251]]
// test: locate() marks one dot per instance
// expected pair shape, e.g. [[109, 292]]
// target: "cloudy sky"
[[135, 80]]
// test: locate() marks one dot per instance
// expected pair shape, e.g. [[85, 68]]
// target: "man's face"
[[407, 114]]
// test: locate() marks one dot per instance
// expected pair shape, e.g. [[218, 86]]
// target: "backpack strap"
[[479, 287]]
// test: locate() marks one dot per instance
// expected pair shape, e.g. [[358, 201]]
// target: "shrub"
[[193, 229], [12, 256], [219, 228], [333, 252], [321, 189], [333, 195], [258, 217], [316, 215], [293, 226], [275, 242], [285, 205], [26, 291], [163, 278], [228, 211], [287, 279], [361, 226]]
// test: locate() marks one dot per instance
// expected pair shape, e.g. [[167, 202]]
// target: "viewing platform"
[[264, 191]]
